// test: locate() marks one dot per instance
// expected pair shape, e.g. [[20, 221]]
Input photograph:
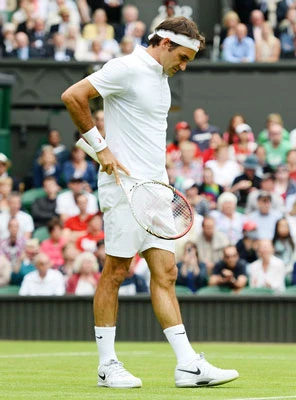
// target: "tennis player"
[[136, 103]]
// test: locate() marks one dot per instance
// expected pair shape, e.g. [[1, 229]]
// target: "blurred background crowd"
[[241, 184], [98, 30]]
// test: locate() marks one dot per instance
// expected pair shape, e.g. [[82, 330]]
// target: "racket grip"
[[82, 144]]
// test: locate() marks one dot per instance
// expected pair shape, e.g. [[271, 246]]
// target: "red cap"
[[182, 125], [249, 226]]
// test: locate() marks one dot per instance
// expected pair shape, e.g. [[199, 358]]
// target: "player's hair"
[[178, 25]]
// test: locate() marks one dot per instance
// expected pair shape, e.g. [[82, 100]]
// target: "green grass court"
[[67, 370]]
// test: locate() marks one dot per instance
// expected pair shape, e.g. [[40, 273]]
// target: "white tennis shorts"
[[124, 237]]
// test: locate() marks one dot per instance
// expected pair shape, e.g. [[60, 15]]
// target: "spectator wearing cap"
[[265, 217], [5, 164], [245, 146], [231, 136], [247, 246], [202, 132], [276, 148], [266, 185], [182, 134], [227, 219], [168, 10], [66, 205], [247, 182]]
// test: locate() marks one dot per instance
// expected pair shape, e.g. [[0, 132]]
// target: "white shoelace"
[[118, 368]]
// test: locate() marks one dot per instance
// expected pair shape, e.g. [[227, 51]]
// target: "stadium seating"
[[29, 196], [291, 290], [41, 233], [209, 290], [256, 291], [183, 290], [10, 289]]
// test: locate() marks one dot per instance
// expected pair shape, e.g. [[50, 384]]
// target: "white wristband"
[[95, 139]]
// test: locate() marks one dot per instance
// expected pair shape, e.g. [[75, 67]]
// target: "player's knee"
[[167, 276], [119, 275]]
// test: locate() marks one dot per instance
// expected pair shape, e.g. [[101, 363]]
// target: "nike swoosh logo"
[[180, 333], [103, 377], [197, 372], [99, 337]]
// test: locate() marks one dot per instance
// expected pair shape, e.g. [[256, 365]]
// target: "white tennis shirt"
[[136, 102]]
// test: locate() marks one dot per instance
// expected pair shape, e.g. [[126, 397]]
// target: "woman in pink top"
[[53, 246]]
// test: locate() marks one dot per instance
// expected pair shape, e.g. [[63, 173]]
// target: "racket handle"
[[82, 144]]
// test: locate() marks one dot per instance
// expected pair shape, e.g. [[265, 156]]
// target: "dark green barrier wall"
[[227, 318], [6, 82], [223, 89]]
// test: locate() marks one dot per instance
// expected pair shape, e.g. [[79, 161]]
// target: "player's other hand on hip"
[[110, 164]]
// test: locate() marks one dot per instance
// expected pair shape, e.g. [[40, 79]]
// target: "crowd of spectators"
[[86, 30], [241, 186]]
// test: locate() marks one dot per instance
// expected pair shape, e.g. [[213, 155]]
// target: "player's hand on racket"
[[110, 164]]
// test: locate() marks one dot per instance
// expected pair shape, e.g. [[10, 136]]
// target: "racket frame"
[[82, 144]]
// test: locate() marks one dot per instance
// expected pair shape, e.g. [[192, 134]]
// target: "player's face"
[[177, 59]]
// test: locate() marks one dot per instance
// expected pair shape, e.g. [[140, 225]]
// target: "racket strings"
[[160, 210]]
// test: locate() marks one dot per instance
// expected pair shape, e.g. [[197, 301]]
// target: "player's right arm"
[[76, 99]]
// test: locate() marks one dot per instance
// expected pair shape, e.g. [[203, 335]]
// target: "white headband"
[[182, 40]]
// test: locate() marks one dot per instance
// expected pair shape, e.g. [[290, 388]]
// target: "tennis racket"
[[158, 208]]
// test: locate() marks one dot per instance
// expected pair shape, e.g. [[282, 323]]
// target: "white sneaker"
[[114, 375], [201, 373]]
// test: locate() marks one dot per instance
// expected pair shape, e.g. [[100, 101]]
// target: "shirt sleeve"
[[111, 79]]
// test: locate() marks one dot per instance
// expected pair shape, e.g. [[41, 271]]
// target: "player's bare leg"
[[192, 369], [111, 372]]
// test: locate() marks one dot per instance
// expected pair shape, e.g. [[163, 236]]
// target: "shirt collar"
[[142, 53]]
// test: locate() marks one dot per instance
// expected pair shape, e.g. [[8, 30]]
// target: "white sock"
[[105, 338], [177, 337]]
